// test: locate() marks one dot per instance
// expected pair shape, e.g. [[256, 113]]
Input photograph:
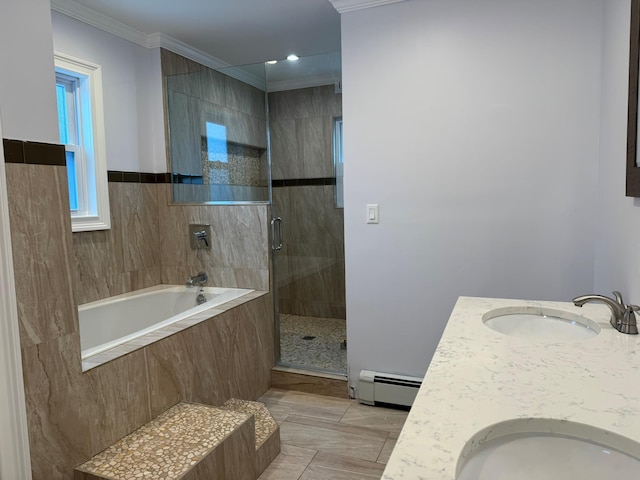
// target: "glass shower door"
[[309, 278], [309, 267]]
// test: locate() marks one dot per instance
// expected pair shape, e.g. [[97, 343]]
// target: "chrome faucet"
[[200, 279], [623, 317]]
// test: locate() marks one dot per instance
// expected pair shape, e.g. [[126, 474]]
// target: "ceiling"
[[238, 32]]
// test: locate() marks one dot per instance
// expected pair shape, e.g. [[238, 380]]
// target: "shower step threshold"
[[310, 381], [189, 442]]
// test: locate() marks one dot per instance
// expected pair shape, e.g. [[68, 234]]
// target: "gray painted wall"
[[474, 125], [618, 221]]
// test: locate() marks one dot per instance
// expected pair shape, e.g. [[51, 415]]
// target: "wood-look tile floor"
[[328, 438]]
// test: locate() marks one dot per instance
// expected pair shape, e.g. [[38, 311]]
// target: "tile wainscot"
[[479, 377]]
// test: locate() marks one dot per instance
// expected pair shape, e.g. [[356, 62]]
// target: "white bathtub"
[[107, 323]]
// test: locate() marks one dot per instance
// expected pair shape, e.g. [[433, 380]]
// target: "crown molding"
[[153, 40], [344, 6], [99, 20], [167, 42]]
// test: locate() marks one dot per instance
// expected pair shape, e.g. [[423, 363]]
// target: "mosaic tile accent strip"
[[168, 446], [265, 424]]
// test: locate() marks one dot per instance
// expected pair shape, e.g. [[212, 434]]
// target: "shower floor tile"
[[313, 342]]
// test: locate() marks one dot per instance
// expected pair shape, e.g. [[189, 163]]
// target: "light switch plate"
[[373, 213]]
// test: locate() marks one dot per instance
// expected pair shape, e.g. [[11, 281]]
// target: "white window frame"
[[91, 164]]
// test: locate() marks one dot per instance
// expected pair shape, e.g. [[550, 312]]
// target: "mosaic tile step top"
[[265, 424], [168, 446]]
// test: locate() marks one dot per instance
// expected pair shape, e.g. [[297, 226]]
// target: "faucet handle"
[[618, 297], [628, 323]]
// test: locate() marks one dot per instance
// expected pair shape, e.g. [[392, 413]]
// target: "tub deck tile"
[[164, 332]]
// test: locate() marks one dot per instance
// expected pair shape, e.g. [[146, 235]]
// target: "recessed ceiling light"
[[272, 62], [293, 57]]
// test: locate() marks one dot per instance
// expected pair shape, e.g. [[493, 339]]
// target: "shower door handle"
[[278, 245]]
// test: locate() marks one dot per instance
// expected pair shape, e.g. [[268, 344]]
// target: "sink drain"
[[308, 337]]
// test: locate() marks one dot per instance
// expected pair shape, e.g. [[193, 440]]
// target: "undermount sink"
[[540, 323], [559, 450]]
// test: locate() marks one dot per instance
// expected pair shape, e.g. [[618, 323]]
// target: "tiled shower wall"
[[195, 95], [310, 266], [73, 415], [148, 244]]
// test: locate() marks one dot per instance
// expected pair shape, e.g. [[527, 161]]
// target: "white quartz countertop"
[[479, 378]]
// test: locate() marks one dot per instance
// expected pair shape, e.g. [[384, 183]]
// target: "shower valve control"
[[373, 213], [200, 236]]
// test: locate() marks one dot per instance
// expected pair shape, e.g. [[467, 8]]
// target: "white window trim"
[[97, 162]]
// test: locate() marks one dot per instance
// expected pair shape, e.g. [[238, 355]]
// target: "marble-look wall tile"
[[245, 129], [98, 254], [305, 103], [214, 87], [145, 277], [97, 288], [284, 149], [315, 146], [209, 96], [72, 416], [239, 450], [40, 230], [310, 267], [245, 98], [172, 63], [140, 230], [238, 346], [218, 276], [239, 254], [184, 133], [288, 104], [125, 257], [301, 130]]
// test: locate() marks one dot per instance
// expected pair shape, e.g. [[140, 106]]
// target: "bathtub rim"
[[158, 334]]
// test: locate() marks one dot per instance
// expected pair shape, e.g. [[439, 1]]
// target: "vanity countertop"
[[479, 377]]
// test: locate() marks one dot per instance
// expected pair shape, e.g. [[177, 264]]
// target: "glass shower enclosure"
[[273, 133], [305, 125]]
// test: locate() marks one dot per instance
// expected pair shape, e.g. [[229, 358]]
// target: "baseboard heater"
[[376, 388]]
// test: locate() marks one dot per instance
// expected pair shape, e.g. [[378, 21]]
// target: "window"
[[81, 125]]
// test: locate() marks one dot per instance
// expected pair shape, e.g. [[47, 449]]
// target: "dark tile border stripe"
[[116, 176], [303, 182], [33, 153], [37, 153]]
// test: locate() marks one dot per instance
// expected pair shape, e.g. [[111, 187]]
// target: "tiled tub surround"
[[148, 244], [134, 326], [479, 377], [74, 415]]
